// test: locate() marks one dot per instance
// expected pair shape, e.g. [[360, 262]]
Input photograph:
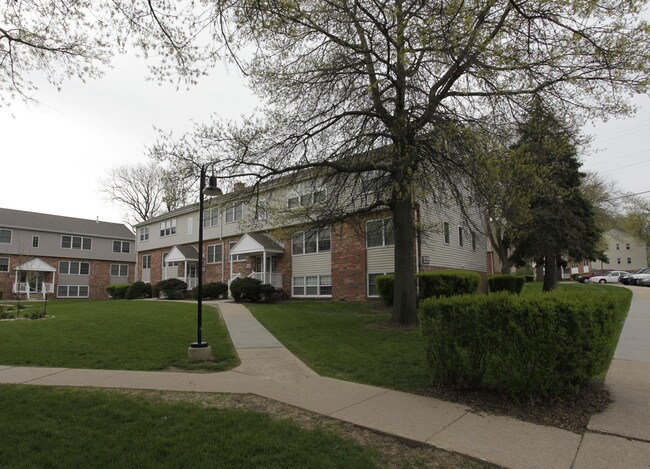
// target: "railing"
[[26, 289], [273, 278], [21, 288]]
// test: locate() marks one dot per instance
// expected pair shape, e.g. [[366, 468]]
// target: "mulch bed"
[[570, 413]]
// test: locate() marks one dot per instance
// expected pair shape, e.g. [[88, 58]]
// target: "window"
[[190, 226], [74, 268], [473, 240], [585, 262], [211, 217], [460, 236], [312, 285], [168, 264], [618, 246], [629, 260], [167, 227], [309, 242], [144, 233], [372, 283], [5, 236], [4, 264], [146, 261], [380, 233], [215, 253], [237, 257], [618, 260], [445, 232], [307, 199], [627, 246], [121, 246], [234, 212], [72, 291], [293, 202], [119, 270], [262, 210], [35, 241], [76, 242]]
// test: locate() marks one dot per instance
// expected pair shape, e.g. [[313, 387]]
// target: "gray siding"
[[312, 264], [380, 259]]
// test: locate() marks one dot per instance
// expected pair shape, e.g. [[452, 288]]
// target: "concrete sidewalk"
[[270, 370]]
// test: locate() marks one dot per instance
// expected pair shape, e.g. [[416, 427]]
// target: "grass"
[[61, 428], [115, 334], [350, 341]]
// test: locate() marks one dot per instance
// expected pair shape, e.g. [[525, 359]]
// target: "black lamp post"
[[199, 350]]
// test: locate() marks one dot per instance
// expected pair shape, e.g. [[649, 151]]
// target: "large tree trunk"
[[550, 272], [404, 298]]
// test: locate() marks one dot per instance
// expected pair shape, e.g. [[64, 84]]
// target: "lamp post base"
[[199, 352]]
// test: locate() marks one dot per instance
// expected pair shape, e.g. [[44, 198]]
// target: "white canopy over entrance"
[[182, 254], [257, 244], [35, 265], [30, 278], [190, 257]]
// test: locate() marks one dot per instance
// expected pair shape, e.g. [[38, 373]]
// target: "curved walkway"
[[617, 438]]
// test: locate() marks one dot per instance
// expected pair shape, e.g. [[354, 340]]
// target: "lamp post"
[[200, 350]]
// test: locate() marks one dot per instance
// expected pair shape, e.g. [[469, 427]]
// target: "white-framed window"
[[76, 242], [627, 246], [262, 210], [236, 257], [215, 253], [461, 241], [306, 199], [211, 217], [4, 264], [74, 268], [35, 241], [119, 270], [168, 228], [629, 260], [190, 226], [372, 283], [5, 236], [473, 237], [445, 233], [234, 212], [72, 291], [312, 285], [380, 233], [146, 261], [144, 233], [618, 246], [585, 262], [618, 260], [313, 241], [121, 246]]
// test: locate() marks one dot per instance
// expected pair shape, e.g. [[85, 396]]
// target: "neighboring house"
[[625, 252], [260, 238], [68, 257]]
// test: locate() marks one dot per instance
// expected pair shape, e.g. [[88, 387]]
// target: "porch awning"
[[252, 243], [182, 254], [35, 265]]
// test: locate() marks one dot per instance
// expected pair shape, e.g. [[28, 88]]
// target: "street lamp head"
[[212, 189]]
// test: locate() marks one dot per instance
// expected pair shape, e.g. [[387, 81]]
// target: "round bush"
[[139, 290], [172, 288], [245, 288], [212, 290]]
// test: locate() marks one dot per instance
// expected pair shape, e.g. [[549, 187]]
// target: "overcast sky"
[[54, 154]]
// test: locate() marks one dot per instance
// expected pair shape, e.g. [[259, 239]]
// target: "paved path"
[[618, 438]]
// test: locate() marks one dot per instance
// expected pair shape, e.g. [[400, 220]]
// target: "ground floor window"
[[4, 264], [72, 291], [372, 283], [312, 285]]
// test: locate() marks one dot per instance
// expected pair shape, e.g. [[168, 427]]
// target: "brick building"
[[265, 235], [67, 257]]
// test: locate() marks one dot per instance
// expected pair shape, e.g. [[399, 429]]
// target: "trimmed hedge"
[[529, 278], [385, 288], [212, 290], [506, 282], [118, 291], [172, 288], [535, 347], [444, 283]]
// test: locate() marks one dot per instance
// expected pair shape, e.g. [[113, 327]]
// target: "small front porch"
[[34, 279], [188, 256], [265, 253]]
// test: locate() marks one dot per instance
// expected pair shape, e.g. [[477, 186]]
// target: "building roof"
[[255, 242], [182, 254], [20, 219]]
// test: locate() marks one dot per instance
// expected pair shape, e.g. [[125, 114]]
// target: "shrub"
[[529, 278], [245, 288], [535, 347], [139, 290], [267, 293], [506, 282], [118, 291], [443, 283], [172, 288], [574, 277], [212, 290], [0, 294], [385, 288]]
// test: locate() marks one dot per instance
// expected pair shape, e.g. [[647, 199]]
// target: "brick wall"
[[348, 263]]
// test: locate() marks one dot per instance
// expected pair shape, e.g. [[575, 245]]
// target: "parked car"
[[637, 277], [611, 277], [626, 280], [645, 282], [584, 278]]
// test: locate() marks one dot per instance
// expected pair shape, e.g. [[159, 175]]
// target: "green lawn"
[[64, 428], [115, 334], [350, 341]]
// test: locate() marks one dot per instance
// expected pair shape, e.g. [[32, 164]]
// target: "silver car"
[[611, 277]]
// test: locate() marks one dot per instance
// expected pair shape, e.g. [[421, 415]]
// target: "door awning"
[[254, 243], [182, 254], [35, 265]]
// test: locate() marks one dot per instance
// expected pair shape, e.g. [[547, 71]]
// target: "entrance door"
[[271, 264]]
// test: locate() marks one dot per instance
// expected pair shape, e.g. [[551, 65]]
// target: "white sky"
[[52, 155]]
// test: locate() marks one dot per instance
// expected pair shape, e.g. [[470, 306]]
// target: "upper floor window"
[[445, 232], [380, 233], [146, 261], [234, 212], [460, 236], [121, 246], [168, 227], [307, 199], [5, 236], [211, 217], [629, 260], [618, 246], [627, 246], [35, 241], [215, 253], [76, 242], [308, 242], [119, 270], [144, 233], [473, 234]]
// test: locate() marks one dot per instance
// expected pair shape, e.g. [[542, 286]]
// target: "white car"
[[611, 277]]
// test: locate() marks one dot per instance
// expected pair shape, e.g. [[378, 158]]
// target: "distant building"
[[625, 252], [67, 257]]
